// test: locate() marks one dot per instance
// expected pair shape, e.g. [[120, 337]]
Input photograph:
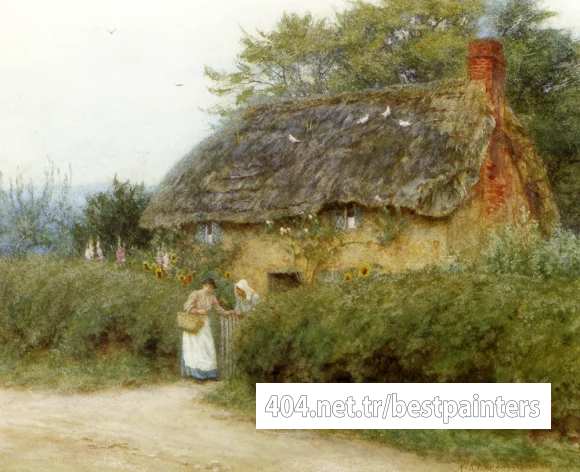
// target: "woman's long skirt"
[[198, 354]]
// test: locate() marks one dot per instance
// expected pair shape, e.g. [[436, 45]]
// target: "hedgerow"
[[421, 327]]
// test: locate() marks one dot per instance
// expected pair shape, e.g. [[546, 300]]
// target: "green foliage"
[[36, 220], [112, 215], [420, 327], [366, 46], [543, 87], [391, 225], [311, 241], [83, 310], [531, 255]]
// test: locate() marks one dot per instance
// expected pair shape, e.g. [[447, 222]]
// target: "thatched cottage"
[[450, 159]]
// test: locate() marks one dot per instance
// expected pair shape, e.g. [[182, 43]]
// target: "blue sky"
[[90, 84]]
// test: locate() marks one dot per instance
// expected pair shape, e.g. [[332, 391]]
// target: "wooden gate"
[[226, 359]]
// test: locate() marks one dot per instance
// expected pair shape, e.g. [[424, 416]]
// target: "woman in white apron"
[[198, 350]]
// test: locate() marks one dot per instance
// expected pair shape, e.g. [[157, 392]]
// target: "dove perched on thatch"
[[404, 124], [386, 113], [292, 139], [363, 120]]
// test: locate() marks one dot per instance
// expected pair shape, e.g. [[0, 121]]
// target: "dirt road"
[[169, 428]]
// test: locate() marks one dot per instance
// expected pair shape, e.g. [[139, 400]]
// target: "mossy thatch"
[[250, 170]]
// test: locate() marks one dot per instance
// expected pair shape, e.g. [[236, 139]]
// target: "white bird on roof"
[[363, 120], [386, 113], [292, 139], [404, 124]]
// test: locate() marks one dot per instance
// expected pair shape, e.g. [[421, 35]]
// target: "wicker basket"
[[190, 322]]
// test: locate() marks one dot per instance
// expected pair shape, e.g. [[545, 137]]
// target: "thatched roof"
[[250, 170]]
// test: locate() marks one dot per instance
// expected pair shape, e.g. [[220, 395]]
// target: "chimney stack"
[[486, 62]]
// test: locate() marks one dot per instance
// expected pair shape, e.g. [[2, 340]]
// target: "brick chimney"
[[486, 63]]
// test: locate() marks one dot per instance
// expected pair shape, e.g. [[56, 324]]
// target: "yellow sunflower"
[[181, 277], [146, 266], [228, 274], [364, 270], [159, 273], [173, 258], [347, 277]]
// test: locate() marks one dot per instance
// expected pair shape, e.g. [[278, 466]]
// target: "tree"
[[36, 219], [366, 46], [543, 87], [112, 215]]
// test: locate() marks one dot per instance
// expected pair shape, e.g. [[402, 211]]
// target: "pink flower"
[[100, 256], [90, 251], [120, 255]]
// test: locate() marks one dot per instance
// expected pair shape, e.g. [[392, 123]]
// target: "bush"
[[82, 309], [531, 255], [113, 215], [421, 327]]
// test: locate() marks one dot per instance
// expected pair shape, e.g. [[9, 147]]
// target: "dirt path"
[[169, 428]]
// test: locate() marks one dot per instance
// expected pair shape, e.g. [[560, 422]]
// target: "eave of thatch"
[[250, 171]]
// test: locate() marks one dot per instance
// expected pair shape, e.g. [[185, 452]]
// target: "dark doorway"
[[283, 281]]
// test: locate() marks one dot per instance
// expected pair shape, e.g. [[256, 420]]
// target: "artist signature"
[[484, 468]]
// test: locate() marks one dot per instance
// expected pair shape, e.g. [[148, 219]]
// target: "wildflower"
[[347, 277], [146, 266], [159, 273], [159, 258], [120, 253], [100, 256], [306, 230], [90, 251], [181, 277], [310, 217], [268, 222], [364, 270], [173, 258], [223, 301], [228, 275]]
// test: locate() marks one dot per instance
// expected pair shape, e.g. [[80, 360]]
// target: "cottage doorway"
[[282, 281]]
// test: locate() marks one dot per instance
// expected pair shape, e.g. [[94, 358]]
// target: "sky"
[[90, 85]]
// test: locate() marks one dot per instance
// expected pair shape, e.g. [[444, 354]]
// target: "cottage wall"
[[421, 242]]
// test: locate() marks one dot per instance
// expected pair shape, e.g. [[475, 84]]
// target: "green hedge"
[[82, 310], [421, 327]]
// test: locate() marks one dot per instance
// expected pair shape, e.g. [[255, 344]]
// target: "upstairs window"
[[348, 216], [208, 233]]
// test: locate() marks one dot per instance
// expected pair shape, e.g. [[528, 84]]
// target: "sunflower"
[[159, 273], [228, 274], [364, 270], [347, 277], [181, 277], [146, 266], [173, 258]]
